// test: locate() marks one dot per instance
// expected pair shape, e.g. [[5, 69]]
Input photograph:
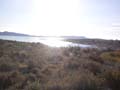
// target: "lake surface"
[[50, 41]]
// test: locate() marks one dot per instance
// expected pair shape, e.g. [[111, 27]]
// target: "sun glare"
[[56, 17]]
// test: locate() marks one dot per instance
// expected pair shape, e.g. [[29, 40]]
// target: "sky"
[[90, 18]]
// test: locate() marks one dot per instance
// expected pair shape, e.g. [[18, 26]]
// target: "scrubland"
[[34, 66]]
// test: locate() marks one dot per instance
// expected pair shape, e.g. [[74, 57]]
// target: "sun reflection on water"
[[55, 42]]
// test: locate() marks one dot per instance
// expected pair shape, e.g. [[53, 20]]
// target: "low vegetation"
[[100, 43], [34, 66]]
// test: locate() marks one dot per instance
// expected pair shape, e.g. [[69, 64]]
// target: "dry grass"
[[112, 56]]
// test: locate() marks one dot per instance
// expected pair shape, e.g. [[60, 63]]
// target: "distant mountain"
[[12, 34], [74, 37], [6, 33]]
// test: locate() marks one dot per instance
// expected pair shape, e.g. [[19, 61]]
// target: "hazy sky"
[[91, 18]]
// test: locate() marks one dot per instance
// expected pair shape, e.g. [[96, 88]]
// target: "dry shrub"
[[113, 79]]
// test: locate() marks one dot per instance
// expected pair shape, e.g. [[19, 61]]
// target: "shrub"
[[113, 79], [7, 66], [88, 82], [93, 67], [34, 86], [13, 79]]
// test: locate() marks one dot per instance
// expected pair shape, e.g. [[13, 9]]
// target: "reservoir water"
[[50, 41]]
